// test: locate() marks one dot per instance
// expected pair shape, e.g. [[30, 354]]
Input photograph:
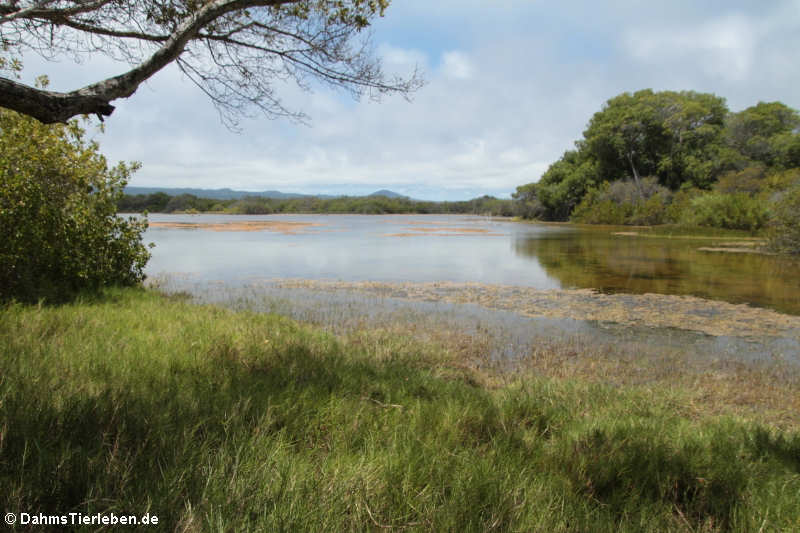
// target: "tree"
[[675, 137], [58, 224], [766, 133], [234, 50], [666, 134]]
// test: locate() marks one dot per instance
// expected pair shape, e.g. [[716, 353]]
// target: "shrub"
[[627, 191], [729, 211], [681, 202], [593, 209], [750, 179], [58, 221], [651, 212], [784, 234], [624, 202]]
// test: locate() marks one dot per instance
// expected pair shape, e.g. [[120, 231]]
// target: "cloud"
[[723, 47], [510, 86], [456, 65]]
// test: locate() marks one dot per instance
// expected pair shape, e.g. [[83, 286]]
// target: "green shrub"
[[784, 234], [750, 179], [595, 211], [681, 202], [58, 225], [728, 211], [624, 202]]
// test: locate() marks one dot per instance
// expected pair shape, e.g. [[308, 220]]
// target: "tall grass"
[[217, 420]]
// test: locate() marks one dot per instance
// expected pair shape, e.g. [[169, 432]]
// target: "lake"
[[432, 248]]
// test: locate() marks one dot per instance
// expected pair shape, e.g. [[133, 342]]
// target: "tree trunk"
[[636, 176]]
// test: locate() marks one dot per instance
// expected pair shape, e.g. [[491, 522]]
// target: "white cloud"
[[724, 47], [513, 86], [456, 65]]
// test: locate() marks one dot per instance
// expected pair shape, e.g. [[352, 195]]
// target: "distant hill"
[[216, 194], [230, 194], [387, 193]]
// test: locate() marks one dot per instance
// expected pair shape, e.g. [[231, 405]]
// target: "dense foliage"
[[58, 222], [712, 167], [785, 232], [254, 205]]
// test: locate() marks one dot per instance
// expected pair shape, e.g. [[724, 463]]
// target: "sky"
[[509, 86]]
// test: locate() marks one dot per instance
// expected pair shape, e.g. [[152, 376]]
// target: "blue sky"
[[510, 86]]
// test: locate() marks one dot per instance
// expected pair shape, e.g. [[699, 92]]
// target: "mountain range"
[[230, 194]]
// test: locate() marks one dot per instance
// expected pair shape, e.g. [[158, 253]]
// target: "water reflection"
[[589, 258], [419, 248], [346, 247]]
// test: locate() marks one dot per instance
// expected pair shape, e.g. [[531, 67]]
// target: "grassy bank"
[[220, 420]]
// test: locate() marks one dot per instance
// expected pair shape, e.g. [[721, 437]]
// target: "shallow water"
[[507, 335], [426, 248], [348, 247], [608, 262], [493, 265]]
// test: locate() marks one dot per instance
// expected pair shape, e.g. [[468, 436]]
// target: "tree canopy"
[[234, 50], [679, 139]]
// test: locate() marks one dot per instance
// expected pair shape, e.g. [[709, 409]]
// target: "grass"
[[216, 420]]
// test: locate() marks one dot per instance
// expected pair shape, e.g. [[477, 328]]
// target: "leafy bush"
[[784, 235], [750, 179], [625, 202], [681, 202], [58, 221], [729, 211], [594, 209], [651, 212]]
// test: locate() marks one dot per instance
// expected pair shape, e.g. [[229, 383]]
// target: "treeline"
[[676, 157], [256, 205]]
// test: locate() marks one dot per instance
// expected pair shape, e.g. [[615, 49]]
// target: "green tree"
[[766, 133], [671, 135], [683, 139], [674, 136], [561, 188], [58, 225], [626, 136]]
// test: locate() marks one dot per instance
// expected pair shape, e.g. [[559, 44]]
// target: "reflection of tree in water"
[[614, 263]]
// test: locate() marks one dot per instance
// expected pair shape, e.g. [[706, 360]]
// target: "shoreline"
[[710, 317]]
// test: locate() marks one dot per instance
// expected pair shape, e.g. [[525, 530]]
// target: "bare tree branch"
[[234, 50]]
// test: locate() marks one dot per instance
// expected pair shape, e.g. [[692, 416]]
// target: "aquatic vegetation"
[[654, 310]]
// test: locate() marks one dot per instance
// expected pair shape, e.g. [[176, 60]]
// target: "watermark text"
[[80, 519]]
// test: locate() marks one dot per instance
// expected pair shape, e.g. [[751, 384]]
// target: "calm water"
[[468, 249]]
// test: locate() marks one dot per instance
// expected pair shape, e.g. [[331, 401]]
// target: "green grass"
[[216, 420]]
